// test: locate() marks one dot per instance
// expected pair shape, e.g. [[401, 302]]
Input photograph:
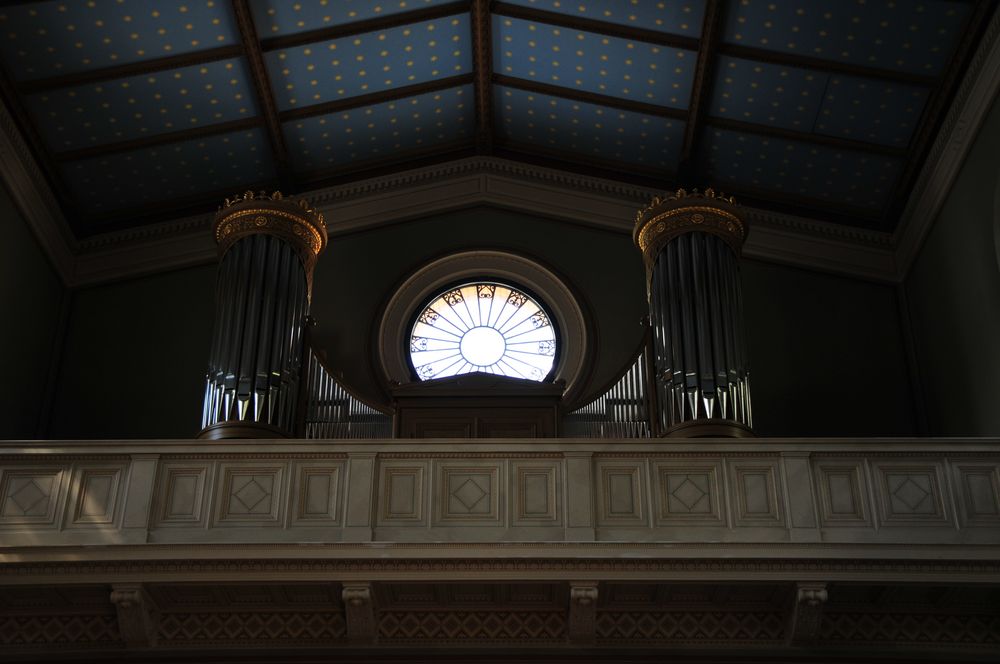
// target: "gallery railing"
[[622, 411], [332, 412]]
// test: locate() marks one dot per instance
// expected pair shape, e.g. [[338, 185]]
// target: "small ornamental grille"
[[485, 327]]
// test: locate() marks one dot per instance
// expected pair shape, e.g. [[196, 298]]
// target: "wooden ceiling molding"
[[920, 163], [262, 84]]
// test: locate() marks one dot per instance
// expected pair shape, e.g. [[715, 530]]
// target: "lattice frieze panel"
[[53, 630], [758, 627], [506, 626], [251, 627], [936, 628]]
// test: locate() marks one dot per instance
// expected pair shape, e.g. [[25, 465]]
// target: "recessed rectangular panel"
[[679, 18], [166, 173], [872, 111], [915, 37], [147, 105], [588, 129], [94, 495], [621, 493], [275, 18], [591, 62], [401, 494], [316, 493], [381, 130], [767, 94], [42, 39], [776, 165], [371, 62]]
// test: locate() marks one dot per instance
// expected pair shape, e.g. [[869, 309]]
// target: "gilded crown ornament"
[[683, 211], [293, 221]]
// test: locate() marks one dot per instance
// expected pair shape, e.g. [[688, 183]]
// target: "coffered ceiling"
[[144, 110]]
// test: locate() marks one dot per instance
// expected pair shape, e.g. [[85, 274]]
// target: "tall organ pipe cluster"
[[268, 247], [691, 244]]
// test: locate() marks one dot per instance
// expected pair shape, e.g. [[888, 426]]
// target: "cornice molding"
[[463, 183], [33, 198], [958, 132]]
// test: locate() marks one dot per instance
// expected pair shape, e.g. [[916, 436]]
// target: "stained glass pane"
[[483, 327]]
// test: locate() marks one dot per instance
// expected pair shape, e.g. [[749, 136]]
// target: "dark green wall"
[[826, 353], [359, 272], [953, 292], [135, 358], [30, 298]]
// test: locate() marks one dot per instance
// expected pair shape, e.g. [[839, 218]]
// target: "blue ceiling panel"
[[128, 108], [916, 36], [750, 161], [372, 62], [594, 63], [670, 16], [872, 111], [274, 18], [381, 130], [595, 131], [42, 39], [767, 94], [164, 173]]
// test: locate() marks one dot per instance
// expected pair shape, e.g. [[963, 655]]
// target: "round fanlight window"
[[483, 326]]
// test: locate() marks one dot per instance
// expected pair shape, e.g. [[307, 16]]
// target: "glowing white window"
[[486, 327]]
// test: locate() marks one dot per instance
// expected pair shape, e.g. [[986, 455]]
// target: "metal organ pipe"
[[268, 247], [691, 244]]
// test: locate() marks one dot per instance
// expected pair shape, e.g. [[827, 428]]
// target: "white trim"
[[958, 132]]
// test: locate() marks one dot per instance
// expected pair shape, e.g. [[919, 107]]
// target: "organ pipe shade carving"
[[268, 247], [691, 244]]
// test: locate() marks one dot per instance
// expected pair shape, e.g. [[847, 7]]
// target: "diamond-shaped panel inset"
[[30, 498], [471, 495], [691, 493], [250, 496], [911, 493]]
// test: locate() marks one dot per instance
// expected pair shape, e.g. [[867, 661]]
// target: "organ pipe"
[[691, 244], [268, 247]]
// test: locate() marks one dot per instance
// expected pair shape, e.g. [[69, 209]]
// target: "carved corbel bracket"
[[138, 615], [807, 610], [582, 612], [359, 610]]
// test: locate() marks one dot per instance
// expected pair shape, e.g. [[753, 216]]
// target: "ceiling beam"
[[704, 82], [40, 152], [591, 25], [800, 61], [159, 139], [131, 69], [368, 25], [395, 94], [590, 97], [482, 65], [935, 110], [806, 137], [265, 97]]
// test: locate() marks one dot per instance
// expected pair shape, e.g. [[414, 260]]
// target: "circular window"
[[486, 327]]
